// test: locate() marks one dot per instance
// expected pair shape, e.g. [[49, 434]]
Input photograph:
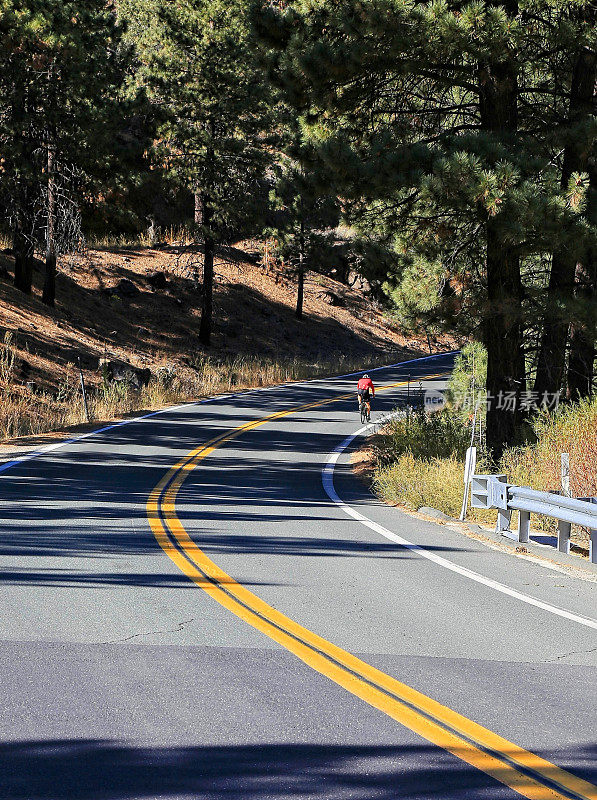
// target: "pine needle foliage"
[[197, 60], [446, 127]]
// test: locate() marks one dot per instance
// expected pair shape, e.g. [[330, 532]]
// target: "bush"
[[466, 387], [443, 434], [420, 461], [571, 429], [437, 482]]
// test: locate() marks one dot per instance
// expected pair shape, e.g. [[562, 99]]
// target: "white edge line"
[[328, 485], [48, 448]]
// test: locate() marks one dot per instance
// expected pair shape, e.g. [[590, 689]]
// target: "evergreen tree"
[[61, 65], [425, 115], [305, 218], [572, 80], [200, 65]]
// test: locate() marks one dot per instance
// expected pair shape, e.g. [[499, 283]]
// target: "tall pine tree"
[[61, 67], [200, 65], [569, 101], [421, 113], [305, 216]]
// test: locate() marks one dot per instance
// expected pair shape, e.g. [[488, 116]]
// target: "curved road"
[[188, 613]]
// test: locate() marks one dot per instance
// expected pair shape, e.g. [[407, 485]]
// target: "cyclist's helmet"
[[365, 375]]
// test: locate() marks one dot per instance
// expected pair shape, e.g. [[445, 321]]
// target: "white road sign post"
[[566, 474], [469, 471]]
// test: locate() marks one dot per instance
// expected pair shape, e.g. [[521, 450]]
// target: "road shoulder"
[[543, 555]]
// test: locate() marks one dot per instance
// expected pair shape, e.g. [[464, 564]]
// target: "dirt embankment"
[[142, 306]]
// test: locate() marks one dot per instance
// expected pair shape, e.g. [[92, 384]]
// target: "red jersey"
[[366, 383]]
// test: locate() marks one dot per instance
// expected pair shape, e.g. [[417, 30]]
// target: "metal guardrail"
[[492, 491]]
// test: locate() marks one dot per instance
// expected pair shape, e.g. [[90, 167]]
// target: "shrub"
[[427, 436], [571, 429], [437, 482], [420, 461], [466, 387]]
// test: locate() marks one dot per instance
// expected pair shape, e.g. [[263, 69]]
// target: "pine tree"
[[423, 114], [202, 72], [61, 66], [575, 138], [305, 217], [581, 364]]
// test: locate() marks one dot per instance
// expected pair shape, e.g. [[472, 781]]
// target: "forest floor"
[[110, 304]]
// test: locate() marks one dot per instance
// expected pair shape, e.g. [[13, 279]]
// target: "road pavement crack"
[[179, 627], [572, 653]]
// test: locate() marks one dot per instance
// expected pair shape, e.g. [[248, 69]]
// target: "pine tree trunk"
[[208, 273], [301, 274], [580, 364], [49, 290], [552, 350], [22, 234], [560, 293], [23, 250], [198, 216], [581, 361], [503, 341], [502, 329]]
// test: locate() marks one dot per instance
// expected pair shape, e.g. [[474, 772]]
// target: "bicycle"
[[365, 409]]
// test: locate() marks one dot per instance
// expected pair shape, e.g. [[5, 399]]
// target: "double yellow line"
[[524, 772]]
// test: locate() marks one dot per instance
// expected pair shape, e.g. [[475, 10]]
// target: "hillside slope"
[[151, 327], [141, 306]]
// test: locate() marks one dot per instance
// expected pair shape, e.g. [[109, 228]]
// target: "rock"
[[435, 513], [126, 289], [24, 370], [157, 280], [333, 299], [123, 372], [166, 374]]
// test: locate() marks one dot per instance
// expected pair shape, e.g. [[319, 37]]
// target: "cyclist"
[[365, 390]]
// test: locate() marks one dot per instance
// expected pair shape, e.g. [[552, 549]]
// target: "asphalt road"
[[233, 633]]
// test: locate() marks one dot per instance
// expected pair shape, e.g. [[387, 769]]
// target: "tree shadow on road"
[[101, 580], [90, 769]]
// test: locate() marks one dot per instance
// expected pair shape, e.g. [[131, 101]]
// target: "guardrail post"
[[564, 536], [524, 523], [503, 520], [488, 491]]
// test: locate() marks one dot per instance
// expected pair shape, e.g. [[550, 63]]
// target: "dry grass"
[[440, 435], [420, 462], [178, 235], [418, 466], [24, 413], [413, 482], [573, 430]]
